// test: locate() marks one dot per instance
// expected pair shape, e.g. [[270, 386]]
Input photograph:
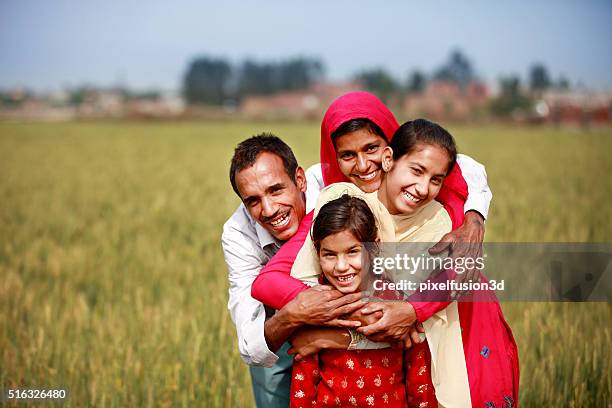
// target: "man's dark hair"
[[247, 151]]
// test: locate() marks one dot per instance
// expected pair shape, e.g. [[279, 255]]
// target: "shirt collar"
[[263, 236]]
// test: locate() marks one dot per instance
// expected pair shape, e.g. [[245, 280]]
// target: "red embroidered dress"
[[364, 378]]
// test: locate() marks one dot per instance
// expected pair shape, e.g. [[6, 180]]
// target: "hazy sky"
[[47, 45]]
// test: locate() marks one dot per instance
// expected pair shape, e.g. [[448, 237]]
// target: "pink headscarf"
[[353, 105]]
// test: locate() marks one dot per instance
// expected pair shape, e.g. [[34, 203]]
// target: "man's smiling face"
[[272, 198]]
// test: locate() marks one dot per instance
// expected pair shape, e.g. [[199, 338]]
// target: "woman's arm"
[[275, 286]]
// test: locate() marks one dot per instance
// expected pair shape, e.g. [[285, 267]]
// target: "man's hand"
[[464, 242], [395, 324], [323, 306], [309, 340], [365, 318]]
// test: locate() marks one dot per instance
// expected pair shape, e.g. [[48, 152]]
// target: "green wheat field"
[[112, 280]]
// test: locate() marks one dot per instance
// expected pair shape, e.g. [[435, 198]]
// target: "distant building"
[[575, 106], [306, 104], [443, 100]]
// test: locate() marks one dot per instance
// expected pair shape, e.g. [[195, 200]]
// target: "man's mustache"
[[276, 214]]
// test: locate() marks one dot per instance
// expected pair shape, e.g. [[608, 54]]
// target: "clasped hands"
[[321, 310]]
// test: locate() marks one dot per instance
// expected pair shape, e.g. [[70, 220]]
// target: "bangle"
[[355, 339]]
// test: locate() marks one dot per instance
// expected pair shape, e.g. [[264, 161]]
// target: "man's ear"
[[300, 179], [387, 159]]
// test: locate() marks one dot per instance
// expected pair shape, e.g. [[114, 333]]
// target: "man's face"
[[271, 197]]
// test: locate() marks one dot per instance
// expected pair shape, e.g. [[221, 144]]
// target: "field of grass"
[[112, 280]]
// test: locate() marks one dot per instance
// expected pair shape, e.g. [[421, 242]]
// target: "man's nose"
[[268, 207]]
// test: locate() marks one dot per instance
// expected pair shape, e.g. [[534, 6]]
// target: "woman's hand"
[[464, 242], [395, 324]]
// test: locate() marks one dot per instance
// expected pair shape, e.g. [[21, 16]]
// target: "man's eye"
[[372, 149], [346, 156], [436, 182], [416, 171]]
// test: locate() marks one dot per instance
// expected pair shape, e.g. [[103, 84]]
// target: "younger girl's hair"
[[354, 125], [421, 131], [346, 213]]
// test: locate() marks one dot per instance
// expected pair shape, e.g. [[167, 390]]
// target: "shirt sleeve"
[[249, 315], [479, 193], [275, 286]]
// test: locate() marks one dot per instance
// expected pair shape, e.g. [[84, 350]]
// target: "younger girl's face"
[[414, 179], [359, 156], [341, 258]]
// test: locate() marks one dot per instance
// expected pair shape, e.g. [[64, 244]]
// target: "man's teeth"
[[411, 197], [280, 221], [368, 176], [346, 278]]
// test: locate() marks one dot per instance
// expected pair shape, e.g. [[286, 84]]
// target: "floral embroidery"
[[338, 401], [385, 362], [360, 383], [377, 380], [367, 363], [385, 398], [370, 400], [353, 400], [350, 364], [299, 394], [344, 383], [392, 379], [330, 383], [299, 376]]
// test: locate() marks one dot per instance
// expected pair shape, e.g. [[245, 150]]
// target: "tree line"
[[216, 81]]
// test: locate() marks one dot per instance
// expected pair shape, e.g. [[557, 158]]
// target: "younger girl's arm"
[[275, 286]]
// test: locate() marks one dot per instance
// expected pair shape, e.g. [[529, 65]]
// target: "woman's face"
[[414, 179], [359, 156], [341, 258]]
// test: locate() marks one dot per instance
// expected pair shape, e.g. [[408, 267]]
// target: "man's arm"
[[466, 240], [479, 193], [244, 259]]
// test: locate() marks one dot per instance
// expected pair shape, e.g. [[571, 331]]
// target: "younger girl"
[[345, 237]]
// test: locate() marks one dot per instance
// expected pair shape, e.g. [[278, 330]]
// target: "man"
[[265, 175]]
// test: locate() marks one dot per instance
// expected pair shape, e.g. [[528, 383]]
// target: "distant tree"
[[267, 78], [563, 83], [457, 69], [539, 79], [510, 98], [207, 81], [379, 82], [416, 81]]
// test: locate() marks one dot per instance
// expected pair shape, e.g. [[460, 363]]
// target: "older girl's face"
[[341, 259], [359, 156], [414, 179]]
